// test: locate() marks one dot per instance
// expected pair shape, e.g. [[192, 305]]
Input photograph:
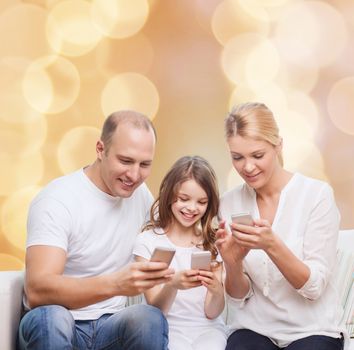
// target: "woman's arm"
[[308, 275], [261, 236], [237, 284]]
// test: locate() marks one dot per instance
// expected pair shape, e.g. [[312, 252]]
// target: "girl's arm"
[[214, 302], [164, 296]]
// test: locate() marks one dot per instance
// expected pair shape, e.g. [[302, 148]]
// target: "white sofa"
[[11, 289]]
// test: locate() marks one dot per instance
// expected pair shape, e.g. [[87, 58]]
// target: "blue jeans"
[[245, 339], [137, 327]]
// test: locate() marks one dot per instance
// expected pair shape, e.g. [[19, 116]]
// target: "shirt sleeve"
[[240, 302], [49, 223], [320, 241], [143, 247]]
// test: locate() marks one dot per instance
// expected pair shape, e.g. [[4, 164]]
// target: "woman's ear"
[[279, 146]]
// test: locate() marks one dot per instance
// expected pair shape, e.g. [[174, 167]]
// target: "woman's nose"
[[249, 166]]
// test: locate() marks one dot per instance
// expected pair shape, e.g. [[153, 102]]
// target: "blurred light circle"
[[295, 126], [4, 4], [204, 11], [20, 139], [14, 215], [130, 91], [230, 19], [119, 18], [76, 149], [114, 56], [340, 105], [13, 106], [303, 156], [269, 3], [25, 171], [233, 179], [339, 152], [241, 94], [51, 84], [235, 56], [304, 44], [22, 31], [305, 106], [10, 263], [70, 30], [262, 64], [297, 77], [271, 95], [255, 9]]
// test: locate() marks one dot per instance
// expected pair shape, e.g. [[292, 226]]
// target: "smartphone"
[[163, 254], [242, 218], [201, 260]]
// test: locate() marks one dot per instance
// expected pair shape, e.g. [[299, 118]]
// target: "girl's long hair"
[[187, 168]]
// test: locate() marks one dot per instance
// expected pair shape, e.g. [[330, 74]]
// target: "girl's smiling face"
[[190, 205]]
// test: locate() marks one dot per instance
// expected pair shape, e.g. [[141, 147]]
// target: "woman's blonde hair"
[[187, 168], [253, 120]]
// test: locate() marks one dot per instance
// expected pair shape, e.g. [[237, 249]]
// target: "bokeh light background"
[[66, 64]]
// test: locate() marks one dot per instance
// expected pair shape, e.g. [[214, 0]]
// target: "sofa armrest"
[[11, 291]]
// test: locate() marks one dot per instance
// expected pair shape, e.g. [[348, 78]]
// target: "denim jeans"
[[137, 327], [245, 339]]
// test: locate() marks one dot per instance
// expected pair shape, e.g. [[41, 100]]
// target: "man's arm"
[[45, 283]]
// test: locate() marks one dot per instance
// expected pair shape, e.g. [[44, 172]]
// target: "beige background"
[[65, 65]]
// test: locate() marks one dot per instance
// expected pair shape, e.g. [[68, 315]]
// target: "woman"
[[279, 270]]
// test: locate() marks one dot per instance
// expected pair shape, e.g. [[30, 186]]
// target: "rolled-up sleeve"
[[320, 241], [240, 302]]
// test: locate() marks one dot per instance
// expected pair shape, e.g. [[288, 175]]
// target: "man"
[[81, 231]]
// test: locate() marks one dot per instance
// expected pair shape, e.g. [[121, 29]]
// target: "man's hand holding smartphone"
[[163, 254]]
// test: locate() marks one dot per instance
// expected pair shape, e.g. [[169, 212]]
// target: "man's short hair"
[[138, 120]]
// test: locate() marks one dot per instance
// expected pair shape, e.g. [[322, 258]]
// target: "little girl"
[[181, 218]]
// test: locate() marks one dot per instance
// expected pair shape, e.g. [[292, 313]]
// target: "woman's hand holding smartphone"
[[242, 218]]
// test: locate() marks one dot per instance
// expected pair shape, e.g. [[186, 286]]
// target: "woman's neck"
[[268, 197], [275, 185]]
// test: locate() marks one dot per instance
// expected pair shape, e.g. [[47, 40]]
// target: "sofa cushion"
[[345, 275]]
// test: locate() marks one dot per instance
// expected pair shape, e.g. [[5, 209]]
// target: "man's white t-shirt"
[[97, 231]]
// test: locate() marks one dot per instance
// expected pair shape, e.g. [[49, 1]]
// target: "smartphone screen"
[[163, 254], [242, 218], [201, 260]]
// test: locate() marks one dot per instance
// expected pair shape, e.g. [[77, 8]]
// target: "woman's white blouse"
[[307, 220]]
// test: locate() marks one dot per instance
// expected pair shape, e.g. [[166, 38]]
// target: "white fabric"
[[11, 287], [96, 230], [191, 338], [187, 311], [307, 220]]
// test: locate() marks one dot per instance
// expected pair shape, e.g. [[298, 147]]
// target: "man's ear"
[[100, 149]]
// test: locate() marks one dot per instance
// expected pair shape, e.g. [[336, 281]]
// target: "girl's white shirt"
[[307, 220], [187, 309]]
